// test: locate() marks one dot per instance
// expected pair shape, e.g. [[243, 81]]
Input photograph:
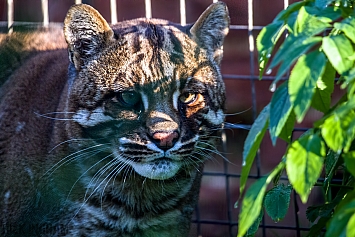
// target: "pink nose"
[[165, 140]]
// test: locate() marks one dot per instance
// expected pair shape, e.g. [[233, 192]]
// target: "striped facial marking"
[[145, 100], [88, 118], [176, 96], [215, 117]]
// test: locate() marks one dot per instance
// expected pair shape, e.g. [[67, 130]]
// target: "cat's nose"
[[165, 140]]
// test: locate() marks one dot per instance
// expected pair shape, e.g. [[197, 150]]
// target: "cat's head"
[[146, 91]]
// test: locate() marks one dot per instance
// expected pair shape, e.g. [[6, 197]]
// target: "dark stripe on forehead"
[[125, 30], [156, 65], [197, 53], [139, 58], [136, 46], [154, 35], [176, 56], [203, 64], [185, 77]]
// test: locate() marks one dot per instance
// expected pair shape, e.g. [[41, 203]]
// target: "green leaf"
[[303, 80], [266, 41], [325, 212], [349, 82], [280, 110], [349, 79], [347, 26], [299, 42], [321, 3], [344, 4], [333, 133], [321, 101], [338, 50], [296, 44], [338, 225], [304, 161], [324, 89], [255, 226], [331, 161], [313, 212], [351, 89], [291, 21], [252, 144], [308, 24], [331, 164], [253, 200], [350, 230], [291, 49], [251, 205], [285, 14], [317, 229], [325, 14], [277, 201], [287, 130], [277, 177], [338, 130], [339, 103], [346, 198], [349, 159]]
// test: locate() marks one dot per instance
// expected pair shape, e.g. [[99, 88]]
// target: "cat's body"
[[113, 142]]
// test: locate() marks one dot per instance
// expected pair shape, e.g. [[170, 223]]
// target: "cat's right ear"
[[86, 33], [211, 28]]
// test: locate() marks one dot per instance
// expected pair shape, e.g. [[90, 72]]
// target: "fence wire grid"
[[216, 214]]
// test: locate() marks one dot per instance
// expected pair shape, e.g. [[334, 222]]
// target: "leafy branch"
[[319, 47]]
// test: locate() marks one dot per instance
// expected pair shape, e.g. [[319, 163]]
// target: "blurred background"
[[215, 215]]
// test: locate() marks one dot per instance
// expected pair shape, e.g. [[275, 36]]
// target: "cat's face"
[[148, 93]]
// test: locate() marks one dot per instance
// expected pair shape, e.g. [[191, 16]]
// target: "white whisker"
[[54, 118], [68, 141], [96, 188], [241, 112], [234, 126], [73, 156], [110, 175], [96, 178], [82, 175], [213, 150]]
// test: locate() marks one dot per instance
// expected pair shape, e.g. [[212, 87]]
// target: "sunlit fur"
[[108, 164]]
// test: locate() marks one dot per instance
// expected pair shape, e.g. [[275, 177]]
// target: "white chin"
[[158, 169]]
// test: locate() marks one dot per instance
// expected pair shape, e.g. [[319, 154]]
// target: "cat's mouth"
[[159, 169]]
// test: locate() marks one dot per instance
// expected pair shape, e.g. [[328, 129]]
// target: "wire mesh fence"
[[216, 213]]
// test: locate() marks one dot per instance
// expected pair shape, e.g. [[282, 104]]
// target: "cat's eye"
[[188, 98], [129, 98]]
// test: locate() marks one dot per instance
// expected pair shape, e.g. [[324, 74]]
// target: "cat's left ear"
[[86, 33], [211, 28]]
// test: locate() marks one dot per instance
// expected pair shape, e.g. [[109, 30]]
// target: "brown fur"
[[25, 135], [17, 47]]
